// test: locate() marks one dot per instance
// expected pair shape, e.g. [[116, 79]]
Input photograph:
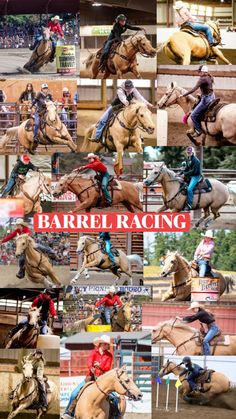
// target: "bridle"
[[174, 272], [127, 391], [166, 367], [168, 96], [142, 51], [139, 124]]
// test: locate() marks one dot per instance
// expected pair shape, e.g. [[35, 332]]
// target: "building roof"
[[14, 7]]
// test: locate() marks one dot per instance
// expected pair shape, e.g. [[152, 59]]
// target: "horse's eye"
[[141, 115]]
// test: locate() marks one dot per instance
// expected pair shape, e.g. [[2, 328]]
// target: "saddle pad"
[[221, 340], [204, 186], [115, 184]]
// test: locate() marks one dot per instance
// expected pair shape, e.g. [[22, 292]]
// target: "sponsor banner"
[[142, 222], [103, 289], [67, 385], [11, 208]]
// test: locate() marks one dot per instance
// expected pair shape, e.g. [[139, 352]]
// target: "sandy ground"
[[228, 53], [147, 66], [106, 278], [10, 59]]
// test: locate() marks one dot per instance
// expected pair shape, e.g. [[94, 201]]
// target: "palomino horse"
[[25, 395], [174, 200], [79, 326], [183, 273], [31, 190], [27, 337], [86, 189], [124, 132], [122, 321], [184, 337], [52, 131], [41, 54], [37, 265], [124, 58], [218, 385], [93, 398], [224, 127], [94, 257], [183, 47]]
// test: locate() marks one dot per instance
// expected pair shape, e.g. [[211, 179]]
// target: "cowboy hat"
[[112, 289], [56, 18], [102, 339], [178, 5], [194, 304], [208, 234], [91, 156], [203, 68], [21, 222]]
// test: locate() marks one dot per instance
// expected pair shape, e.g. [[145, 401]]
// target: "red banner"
[[163, 222]]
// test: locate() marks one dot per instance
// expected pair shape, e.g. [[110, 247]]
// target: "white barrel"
[[162, 128], [48, 342]]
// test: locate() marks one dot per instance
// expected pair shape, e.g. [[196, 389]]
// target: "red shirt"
[[97, 166], [105, 361], [24, 230], [109, 301], [46, 303], [55, 28]]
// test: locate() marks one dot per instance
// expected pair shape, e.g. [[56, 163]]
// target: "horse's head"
[[156, 174], [170, 264], [51, 111], [46, 33], [82, 243], [61, 187], [144, 46], [167, 368], [33, 316], [144, 118], [27, 369], [171, 95], [158, 333], [215, 29], [22, 242], [124, 385], [47, 185]]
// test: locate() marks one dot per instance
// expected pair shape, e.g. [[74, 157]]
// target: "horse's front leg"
[[167, 295], [163, 208], [13, 413], [134, 69], [85, 205], [136, 142], [219, 54], [80, 271]]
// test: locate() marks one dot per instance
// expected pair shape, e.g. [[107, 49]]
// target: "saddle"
[[219, 339], [203, 186], [106, 138], [204, 378], [114, 251], [112, 51], [113, 184], [210, 274], [193, 32], [214, 107]]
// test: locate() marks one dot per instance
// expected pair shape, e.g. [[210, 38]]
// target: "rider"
[[184, 18], [95, 164], [204, 317], [125, 94], [38, 363], [205, 84], [105, 236], [109, 300], [193, 370], [203, 254], [20, 170], [66, 108], [56, 29], [99, 361], [28, 94], [39, 107], [192, 175], [119, 27]]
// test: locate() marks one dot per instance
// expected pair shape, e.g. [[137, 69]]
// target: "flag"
[[118, 166], [158, 380], [178, 383], [168, 380]]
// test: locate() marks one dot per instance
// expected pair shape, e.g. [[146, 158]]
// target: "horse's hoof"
[[73, 281], [87, 276]]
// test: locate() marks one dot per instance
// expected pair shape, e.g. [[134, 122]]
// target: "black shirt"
[[118, 30], [193, 167], [40, 101], [205, 84], [202, 315], [22, 169]]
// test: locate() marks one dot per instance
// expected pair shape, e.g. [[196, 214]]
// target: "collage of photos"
[[118, 107]]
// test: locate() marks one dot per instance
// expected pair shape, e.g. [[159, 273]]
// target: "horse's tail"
[[232, 386], [136, 259], [10, 134], [88, 62], [232, 196], [160, 48], [139, 187]]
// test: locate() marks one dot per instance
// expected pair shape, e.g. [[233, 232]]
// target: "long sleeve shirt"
[[123, 97], [118, 30], [55, 28], [97, 166], [22, 169], [192, 368], [205, 250], [202, 315], [193, 167], [24, 230], [105, 362], [46, 304], [183, 16], [205, 84], [109, 301]]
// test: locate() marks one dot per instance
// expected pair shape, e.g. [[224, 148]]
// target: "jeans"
[[193, 182], [73, 396], [107, 314], [213, 330], [108, 251], [199, 110], [204, 268], [37, 124], [102, 122], [42, 393], [203, 28], [105, 181], [107, 47], [45, 249], [10, 184], [43, 327], [191, 380], [64, 117]]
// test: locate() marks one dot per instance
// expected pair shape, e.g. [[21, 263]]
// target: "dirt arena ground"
[[10, 59], [228, 53], [106, 278], [9, 279]]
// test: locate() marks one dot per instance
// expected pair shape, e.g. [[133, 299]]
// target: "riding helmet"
[[121, 17], [186, 360], [129, 84]]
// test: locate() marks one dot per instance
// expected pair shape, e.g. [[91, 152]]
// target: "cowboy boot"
[[21, 273]]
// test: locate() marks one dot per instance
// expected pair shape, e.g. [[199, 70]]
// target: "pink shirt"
[[205, 250], [182, 16]]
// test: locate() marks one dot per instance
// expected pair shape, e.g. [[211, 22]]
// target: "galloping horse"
[[184, 338], [94, 257], [86, 189], [123, 59], [224, 127], [52, 131], [37, 265], [122, 321], [174, 200], [183, 273], [219, 384], [31, 190], [41, 54], [93, 398], [124, 132], [25, 395], [183, 47], [27, 336]]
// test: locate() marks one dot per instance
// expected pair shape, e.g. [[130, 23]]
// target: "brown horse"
[[37, 265], [123, 59], [183, 47], [94, 257], [88, 193], [41, 54], [124, 132], [224, 127], [27, 336], [183, 273], [93, 397], [31, 190], [219, 384], [52, 132], [185, 339]]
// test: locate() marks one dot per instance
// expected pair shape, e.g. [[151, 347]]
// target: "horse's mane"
[[182, 258], [30, 239], [177, 324]]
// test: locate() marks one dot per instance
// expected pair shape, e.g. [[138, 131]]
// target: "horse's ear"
[[123, 368], [173, 84]]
